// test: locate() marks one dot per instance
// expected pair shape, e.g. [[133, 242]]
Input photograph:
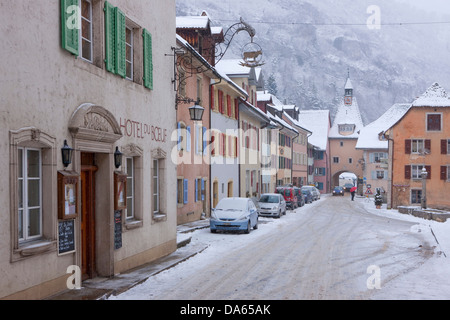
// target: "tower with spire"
[[344, 135]]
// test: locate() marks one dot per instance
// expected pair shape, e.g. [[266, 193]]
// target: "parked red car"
[[289, 196]]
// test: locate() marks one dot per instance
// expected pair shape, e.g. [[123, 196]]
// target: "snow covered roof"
[[369, 137], [348, 84], [264, 96], [214, 70], [193, 22], [216, 30], [233, 67], [435, 96], [318, 122], [347, 115]]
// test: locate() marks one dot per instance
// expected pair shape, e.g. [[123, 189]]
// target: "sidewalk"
[[102, 288]]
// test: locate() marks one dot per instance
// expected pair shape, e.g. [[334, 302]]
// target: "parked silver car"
[[315, 192], [271, 205]]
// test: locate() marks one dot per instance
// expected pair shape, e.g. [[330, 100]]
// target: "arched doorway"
[[95, 131]]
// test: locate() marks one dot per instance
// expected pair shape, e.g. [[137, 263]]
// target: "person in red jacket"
[[353, 192]]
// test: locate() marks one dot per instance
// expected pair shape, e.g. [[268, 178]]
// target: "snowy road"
[[320, 251]]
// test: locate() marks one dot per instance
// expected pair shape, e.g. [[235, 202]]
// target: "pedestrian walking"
[[353, 192]]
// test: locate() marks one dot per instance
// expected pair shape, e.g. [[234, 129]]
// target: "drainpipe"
[[390, 171]]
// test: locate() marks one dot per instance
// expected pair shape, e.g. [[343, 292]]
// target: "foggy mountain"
[[309, 45]]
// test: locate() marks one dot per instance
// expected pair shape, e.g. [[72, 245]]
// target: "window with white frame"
[[86, 47], [29, 194], [417, 146], [416, 196], [129, 43], [130, 188], [156, 186], [416, 171]]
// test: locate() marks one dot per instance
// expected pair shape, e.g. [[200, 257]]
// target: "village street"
[[331, 249]]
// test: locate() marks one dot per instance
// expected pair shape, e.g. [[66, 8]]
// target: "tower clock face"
[[348, 100]]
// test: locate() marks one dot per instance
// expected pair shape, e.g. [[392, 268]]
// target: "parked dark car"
[[300, 197], [338, 191], [348, 186], [308, 195]]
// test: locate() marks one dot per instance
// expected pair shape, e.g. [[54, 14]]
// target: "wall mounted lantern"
[[117, 158], [66, 153]]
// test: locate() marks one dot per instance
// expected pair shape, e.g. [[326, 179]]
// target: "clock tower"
[[348, 98]]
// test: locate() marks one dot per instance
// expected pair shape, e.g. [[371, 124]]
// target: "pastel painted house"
[[419, 140]]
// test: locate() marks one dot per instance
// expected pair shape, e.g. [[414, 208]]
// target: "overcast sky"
[[437, 6]]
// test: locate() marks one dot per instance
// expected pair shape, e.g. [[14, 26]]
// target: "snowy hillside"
[[308, 46]]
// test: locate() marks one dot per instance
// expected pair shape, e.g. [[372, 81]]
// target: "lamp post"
[[424, 175]]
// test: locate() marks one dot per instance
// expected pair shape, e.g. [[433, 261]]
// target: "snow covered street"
[[331, 249]]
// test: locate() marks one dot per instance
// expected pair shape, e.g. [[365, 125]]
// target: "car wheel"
[[256, 225], [279, 215], [249, 227], [213, 231]]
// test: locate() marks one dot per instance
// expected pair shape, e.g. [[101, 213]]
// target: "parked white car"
[[271, 205]]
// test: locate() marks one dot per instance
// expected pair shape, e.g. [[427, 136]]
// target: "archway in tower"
[[345, 179]]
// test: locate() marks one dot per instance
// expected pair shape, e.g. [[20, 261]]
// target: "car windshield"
[[305, 191], [287, 193], [269, 199], [230, 204]]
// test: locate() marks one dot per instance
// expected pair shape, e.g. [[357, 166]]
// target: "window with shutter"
[[185, 191], [434, 122], [428, 168], [407, 146], [445, 146], [110, 37], [444, 174], [407, 172], [70, 26], [188, 139], [148, 60], [120, 43]]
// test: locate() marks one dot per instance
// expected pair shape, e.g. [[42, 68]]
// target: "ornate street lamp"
[[66, 153], [424, 175], [196, 112], [117, 158]]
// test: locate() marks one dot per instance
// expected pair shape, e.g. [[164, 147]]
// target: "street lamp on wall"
[[118, 158], [66, 153]]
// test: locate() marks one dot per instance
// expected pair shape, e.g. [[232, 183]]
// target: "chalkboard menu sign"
[[117, 229], [66, 237]]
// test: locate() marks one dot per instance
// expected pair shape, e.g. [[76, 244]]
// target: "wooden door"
[[88, 170]]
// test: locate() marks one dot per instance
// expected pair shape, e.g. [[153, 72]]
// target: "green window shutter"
[[110, 37], [69, 26], [120, 41], [148, 60]]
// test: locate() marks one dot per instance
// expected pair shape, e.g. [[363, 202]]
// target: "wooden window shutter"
[[428, 168], [236, 109], [185, 191], [407, 146], [148, 60], [443, 173], [120, 43], [428, 146], [188, 139], [213, 101], [69, 31], [444, 147], [213, 145], [408, 172], [221, 110], [110, 37], [228, 105]]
